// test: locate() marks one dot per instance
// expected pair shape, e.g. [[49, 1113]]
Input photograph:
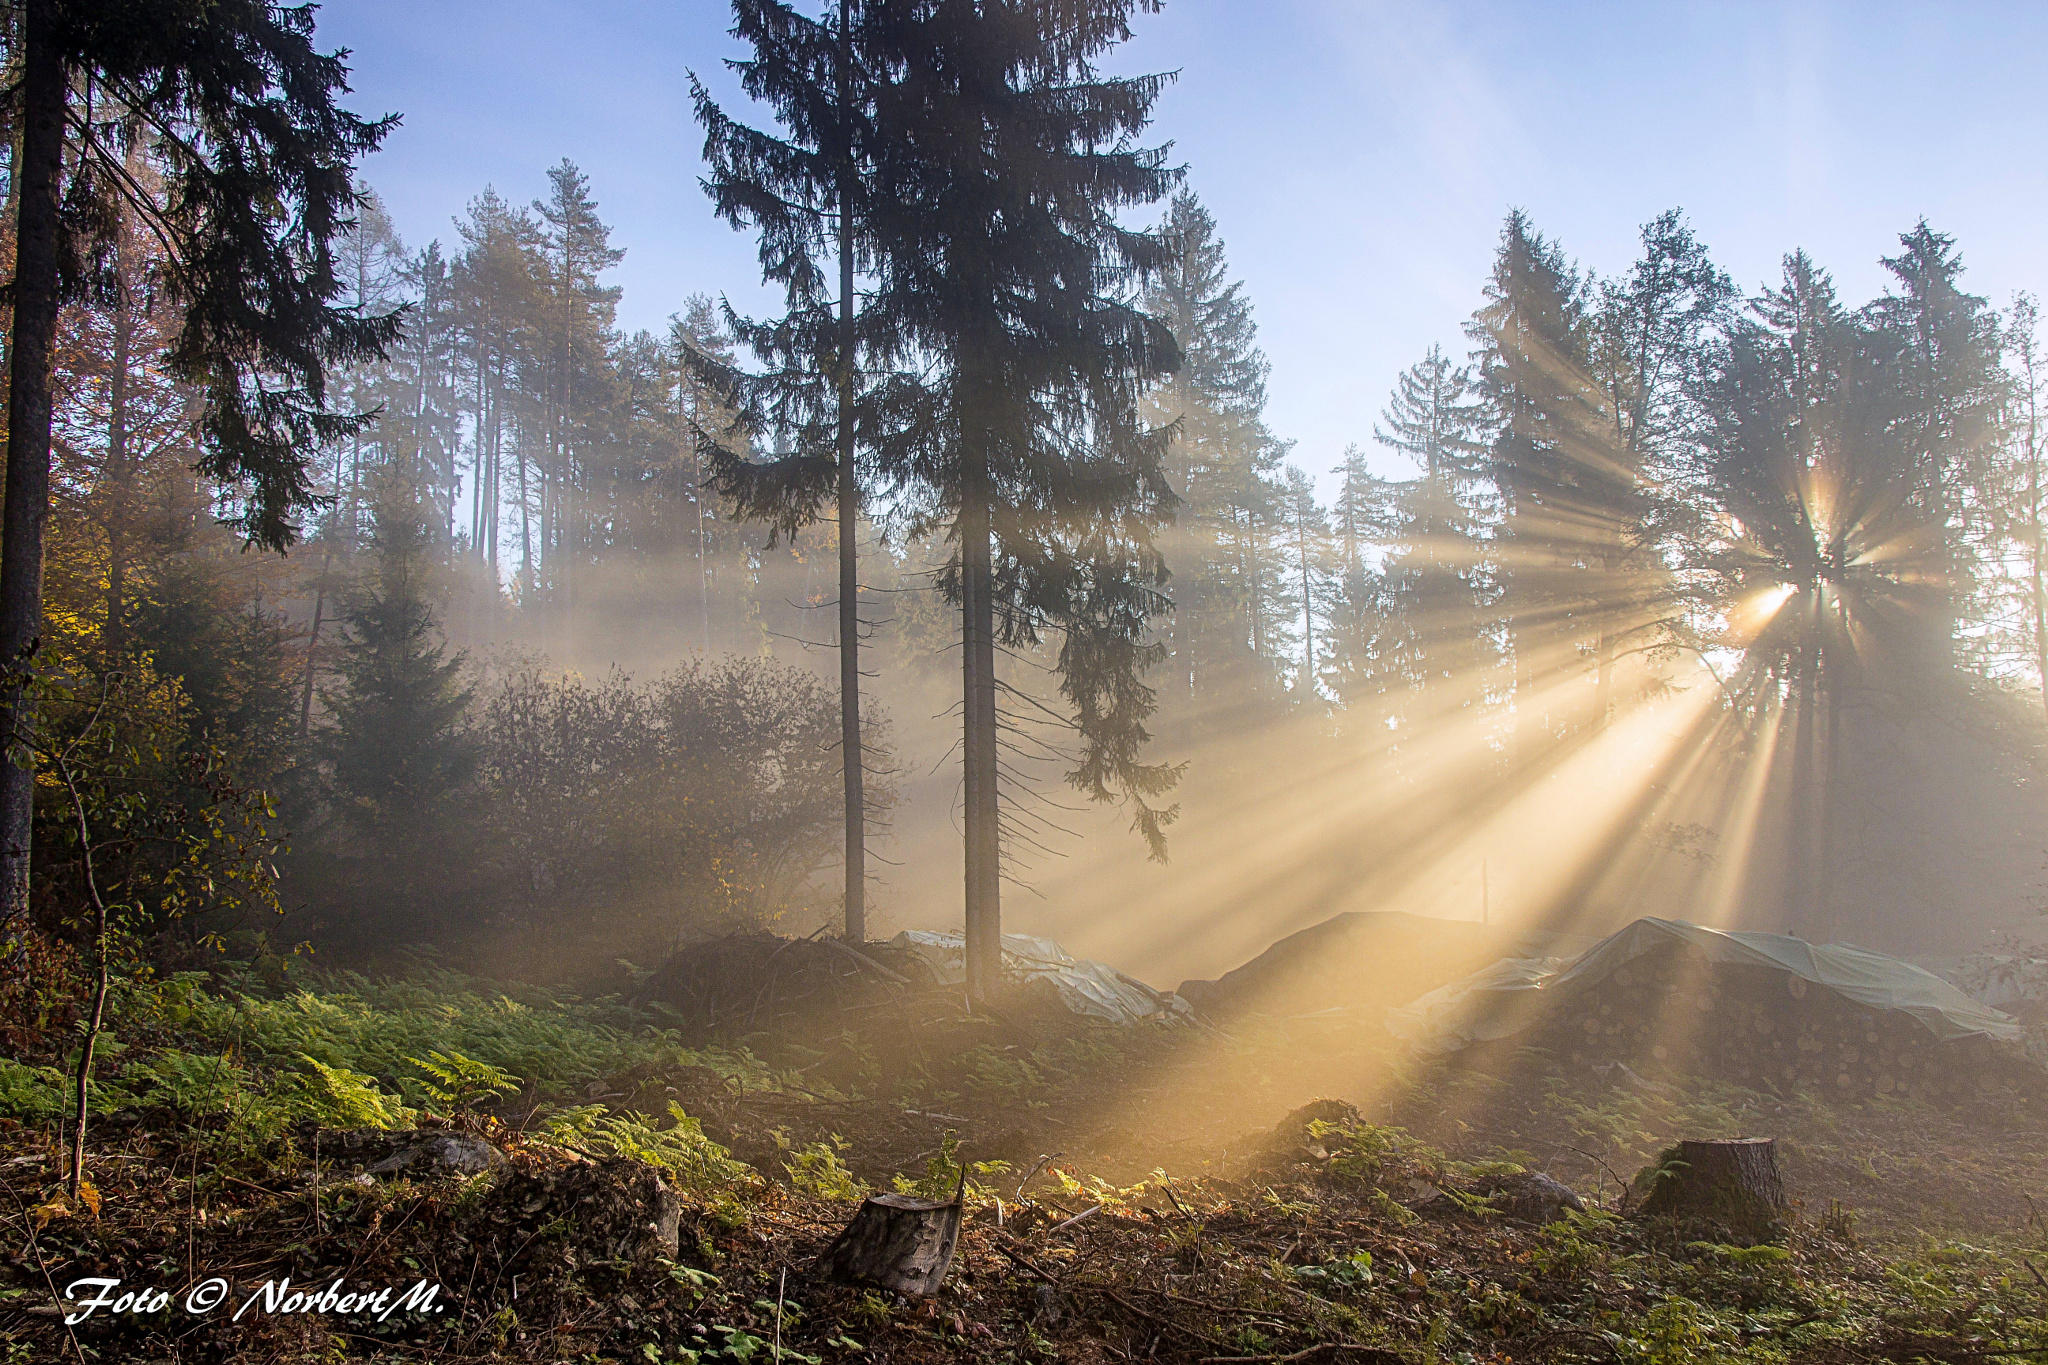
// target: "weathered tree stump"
[[897, 1242], [1732, 1183]]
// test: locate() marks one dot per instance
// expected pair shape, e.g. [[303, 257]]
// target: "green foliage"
[[1349, 1272], [944, 1171], [31, 1094], [458, 1082], [1676, 1332], [1366, 1154], [691, 1160], [557, 1042], [191, 1085], [683, 801], [341, 1098], [175, 835], [816, 1169], [1575, 1245]]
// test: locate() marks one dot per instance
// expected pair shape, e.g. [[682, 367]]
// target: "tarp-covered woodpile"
[[1361, 962], [1093, 990], [746, 983], [1757, 1008]]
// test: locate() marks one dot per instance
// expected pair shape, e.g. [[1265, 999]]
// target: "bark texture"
[[897, 1242]]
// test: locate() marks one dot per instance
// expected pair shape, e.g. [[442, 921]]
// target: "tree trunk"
[[120, 473], [44, 91], [1732, 1183], [313, 643], [897, 1242], [984, 937], [851, 756]]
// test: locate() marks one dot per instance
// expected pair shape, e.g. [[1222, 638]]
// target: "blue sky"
[[1358, 156]]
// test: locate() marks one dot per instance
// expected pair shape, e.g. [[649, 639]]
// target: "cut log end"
[[1731, 1183], [896, 1242]]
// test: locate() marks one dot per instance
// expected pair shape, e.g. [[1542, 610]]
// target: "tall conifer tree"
[[1008, 158], [257, 186], [1547, 457], [1223, 465], [807, 193]]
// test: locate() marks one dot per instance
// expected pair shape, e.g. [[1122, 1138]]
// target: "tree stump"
[[897, 1242], [1732, 1183]]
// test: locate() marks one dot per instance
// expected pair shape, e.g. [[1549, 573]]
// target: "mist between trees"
[[1639, 593]]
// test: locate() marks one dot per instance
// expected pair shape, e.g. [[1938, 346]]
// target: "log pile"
[[1673, 1012]]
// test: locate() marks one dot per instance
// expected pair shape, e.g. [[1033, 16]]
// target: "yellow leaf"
[[54, 1207], [89, 1197]]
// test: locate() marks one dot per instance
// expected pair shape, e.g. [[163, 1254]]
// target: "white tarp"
[[1499, 1001], [1087, 988]]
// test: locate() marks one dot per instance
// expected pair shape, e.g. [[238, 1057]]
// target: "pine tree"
[[1435, 651], [1305, 527], [1780, 399], [1945, 393], [421, 427], [1652, 336], [808, 194], [1224, 466], [575, 332], [1433, 420], [1007, 160], [396, 741], [1547, 458], [257, 161]]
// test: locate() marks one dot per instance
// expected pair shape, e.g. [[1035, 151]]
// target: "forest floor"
[[1151, 1193]]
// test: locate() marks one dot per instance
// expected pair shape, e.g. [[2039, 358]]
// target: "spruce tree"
[[257, 164], [1305, 528], [1223, 465], [1780, 400], [1940, 418], [808, 195], [575, 329], [396, 741], [1436, 582], [1547, 458], [1651, 337], [1007, 159]]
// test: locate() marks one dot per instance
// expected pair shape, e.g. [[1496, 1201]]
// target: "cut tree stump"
[[898, 1242], [1732, 1183]]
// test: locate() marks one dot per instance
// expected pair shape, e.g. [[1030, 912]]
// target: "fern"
[[342, 1098], [681, 1151], [190, 1084], [459, 1082], [816, 1169], [33, 1094]]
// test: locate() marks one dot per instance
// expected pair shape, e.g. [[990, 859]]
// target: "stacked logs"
[[1674, 1012]]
